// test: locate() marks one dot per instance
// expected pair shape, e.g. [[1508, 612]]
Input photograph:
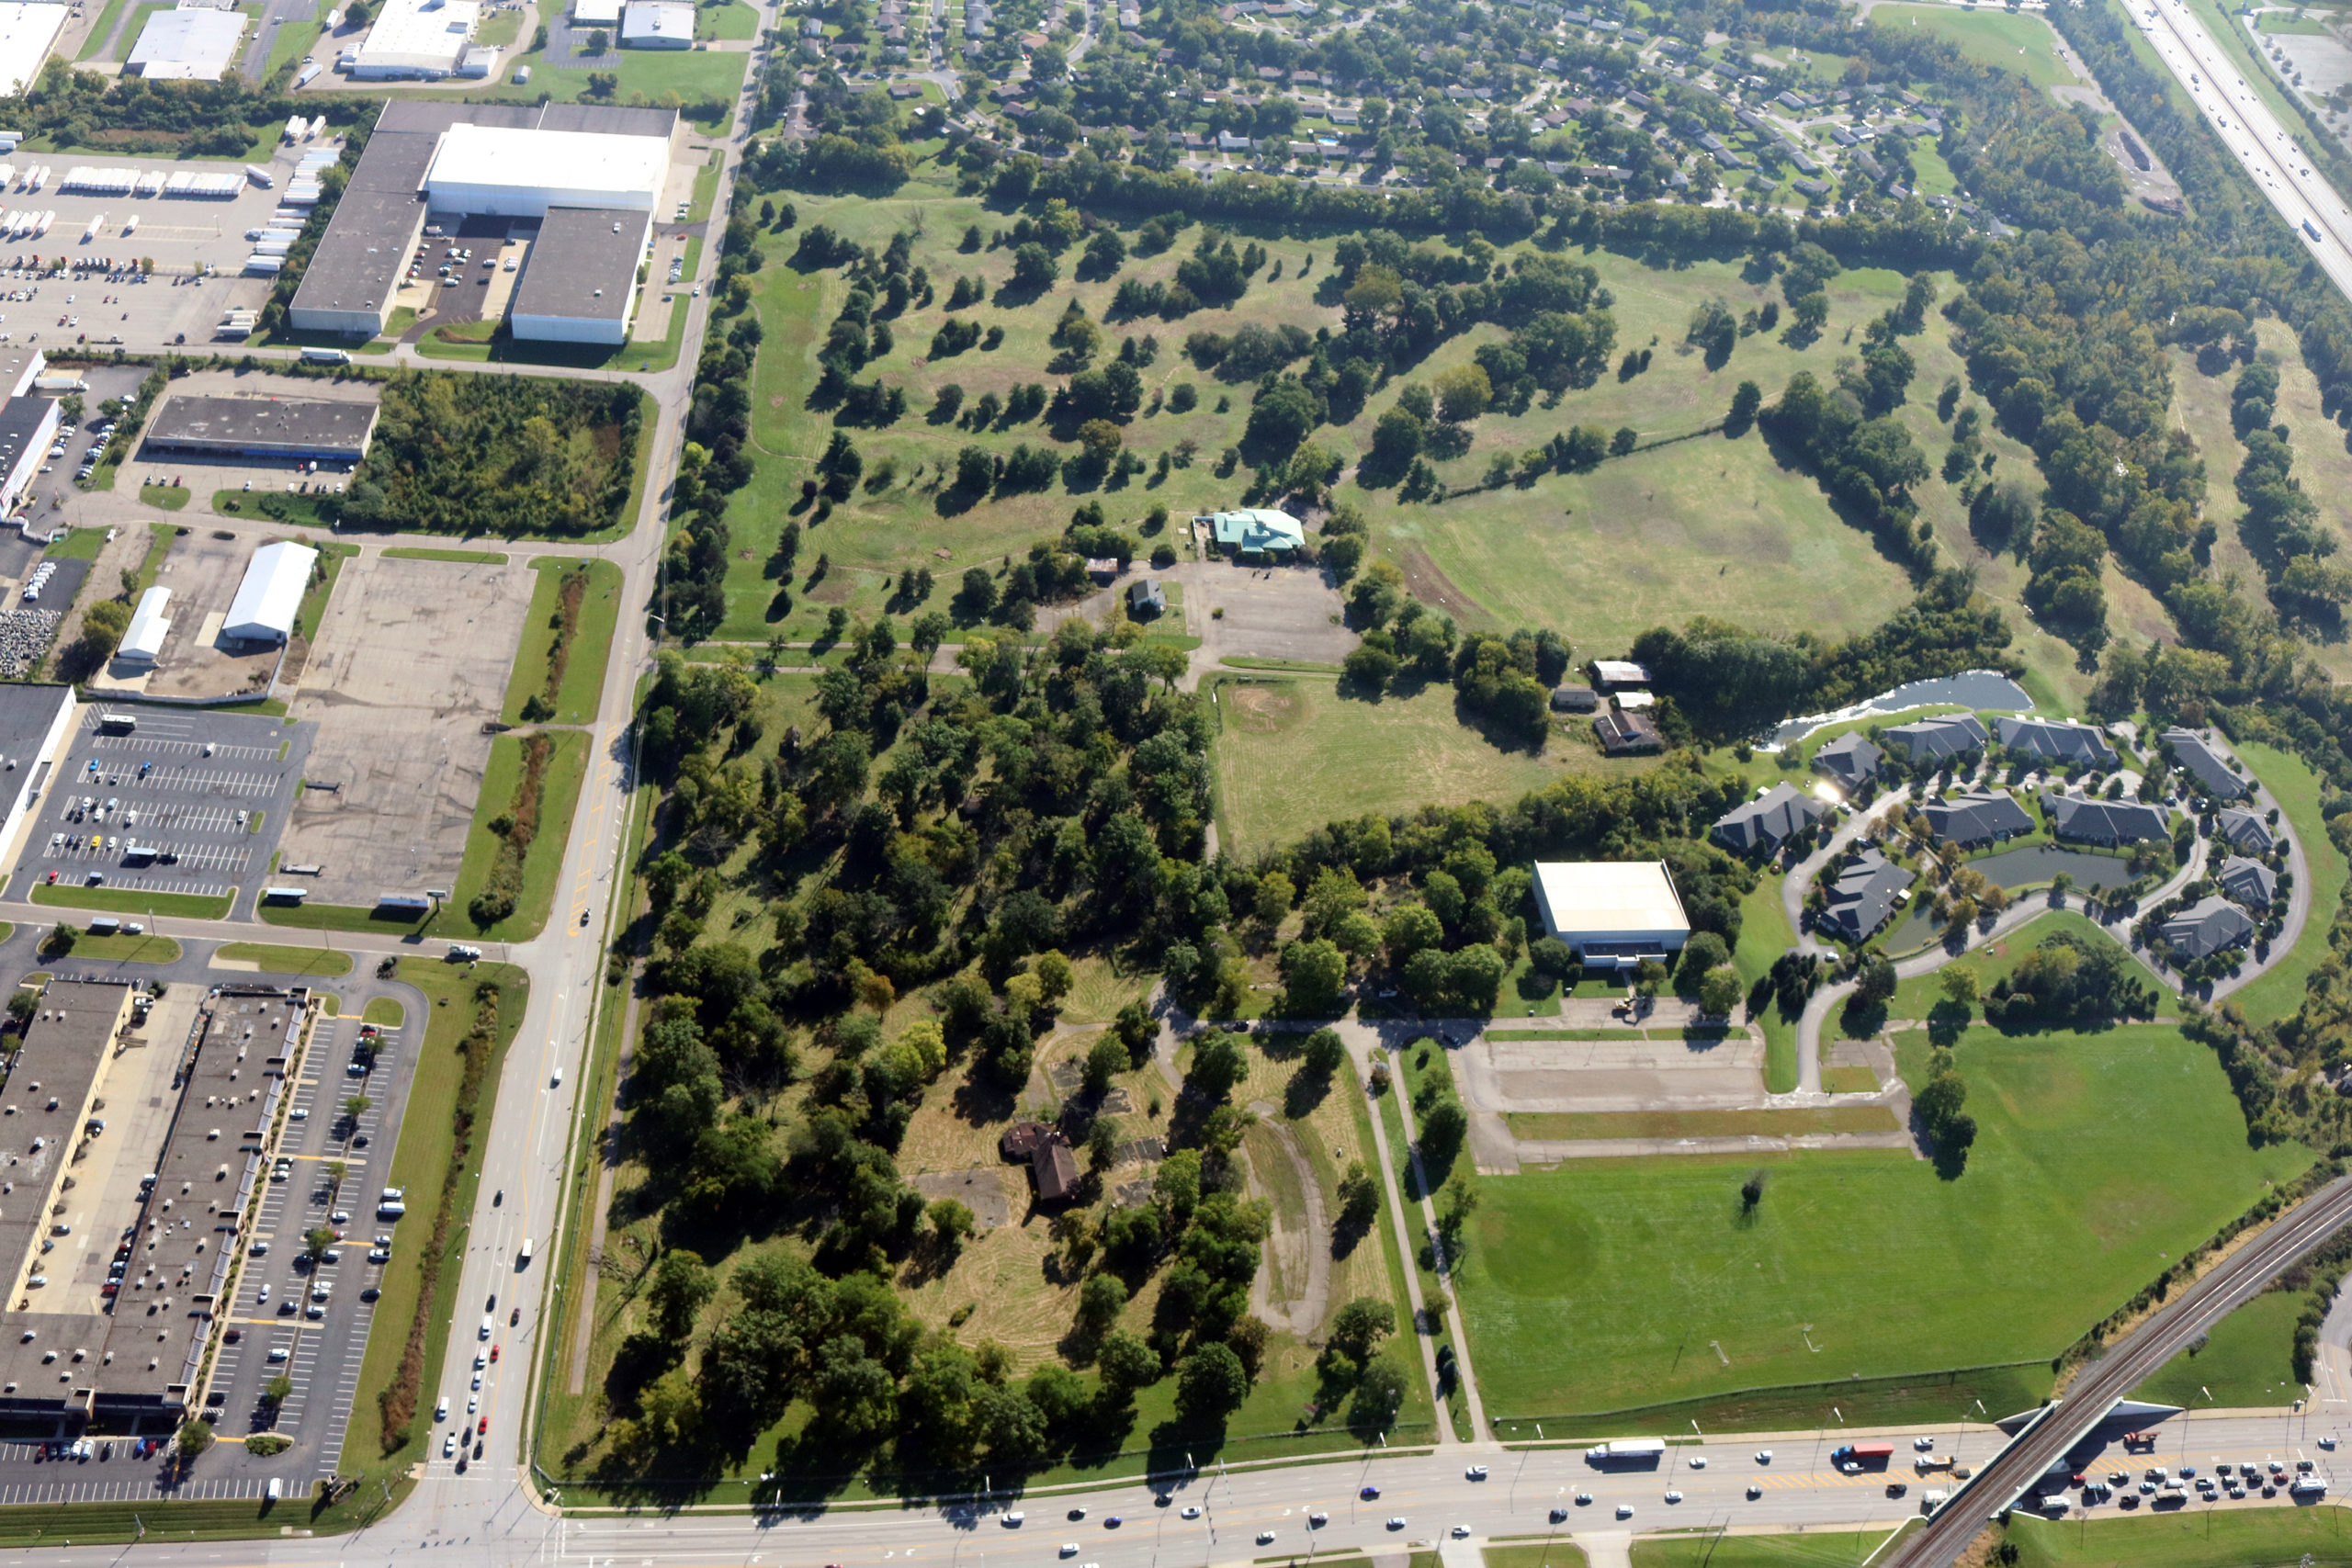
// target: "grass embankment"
[[170, 498], [514, 849], [1710, 1548], [123, 901], [341, 917], [1543, 1554], [311, 962], [1922, 994], [461, 557], [2246, 1361], [473, 1020], [81, 544], [559, 675], [159, 545], [2202, 1538], [1671, 1291]]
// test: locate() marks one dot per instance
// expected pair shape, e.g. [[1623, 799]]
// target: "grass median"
[[522, 821], [567, 634], [307, 962], [123, 901]]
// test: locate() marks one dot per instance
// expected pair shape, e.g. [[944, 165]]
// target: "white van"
[[441, 1411], [277, 1488], [524, 1258], [485, 1328]]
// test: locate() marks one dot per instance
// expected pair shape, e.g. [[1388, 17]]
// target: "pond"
[[1985, 690], [2042, 862], [1914, 930]]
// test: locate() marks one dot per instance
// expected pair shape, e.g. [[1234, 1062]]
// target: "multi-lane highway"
[[2270, 155]]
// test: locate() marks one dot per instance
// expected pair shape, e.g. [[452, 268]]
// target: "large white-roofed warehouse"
[[271, 595]]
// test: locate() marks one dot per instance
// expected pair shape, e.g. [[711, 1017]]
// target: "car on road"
[[1192, 1511], [1113, 1522], [1396, 1521], [278, 1352], [1674, 1496], [1763, 1456], [1584, 1499], [2327, 1442], [1698, 1462], [1012, 1521], [1317, 1521], [1369, 1492], [1475, 1472], [1923, 1444], [1069, 1549], [449, 1445], [1265, 1538], [1462, 1532], [1754, 1491], [441, 1411], [1897, 1488], [1625, 1510]]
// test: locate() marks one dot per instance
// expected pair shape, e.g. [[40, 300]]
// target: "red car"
[[494, 1355], [485, 1425], [52, 877]]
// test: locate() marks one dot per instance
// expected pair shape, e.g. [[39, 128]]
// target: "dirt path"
[[1309, 1249]]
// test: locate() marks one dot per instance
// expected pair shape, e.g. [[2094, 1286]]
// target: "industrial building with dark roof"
[[578, 283], [2104, 821], [348, 284], [298, 429]]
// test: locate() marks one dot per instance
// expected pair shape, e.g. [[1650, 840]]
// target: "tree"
[[1362, 1325], [1380, 1392], [1099, 1302], [683, 1285], [1443, 1126], [1218, 1063], [1960, 985], [1126, 1363], [1876, 987], [279, 1390], [357, 1106], [1746, 398], [1463, 393], [951, 1224], [1032, 268], [194, 1438], [316, 1242], [1211, 1384], [1313, 974], [1624, 441], [1720, 992], [1358, 1197], [1105, 1059], [1751, 1192], [103, 625], [1323, 1053]]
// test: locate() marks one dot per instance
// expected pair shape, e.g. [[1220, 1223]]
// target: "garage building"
[[149, 626], [1613, 913], [580, 284], [271, 595], [298, 429]]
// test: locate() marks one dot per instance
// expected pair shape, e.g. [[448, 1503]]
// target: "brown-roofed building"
[[1048, 1152], [1626, 734]]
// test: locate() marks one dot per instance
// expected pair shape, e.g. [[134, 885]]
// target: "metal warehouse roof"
[[270, 595]]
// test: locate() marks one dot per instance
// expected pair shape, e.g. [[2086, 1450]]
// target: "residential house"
[[2055, 740], [1868, 891], [2109, 822], [1937, 739], [2211, 925], [2202, 762], [1048, 1152], [1768, 821], [2243, 831], [1850, 760], [1145, 600], [1977, 818], [2249, 882], [1624, 734]]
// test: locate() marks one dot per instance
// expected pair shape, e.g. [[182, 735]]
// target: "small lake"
[[1985, 690], [1914, 930], [2042, 862]]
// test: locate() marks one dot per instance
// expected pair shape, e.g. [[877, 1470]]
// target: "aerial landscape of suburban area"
[[779, 778]]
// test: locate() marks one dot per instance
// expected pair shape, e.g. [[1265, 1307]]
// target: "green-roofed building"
[[1256, 528]]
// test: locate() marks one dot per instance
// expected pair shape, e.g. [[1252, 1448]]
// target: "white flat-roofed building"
[[27, 34], [657, 24], [416, 39], [149, 626], [512, 173], [596, 13], [192, 43], [271, 595], [1614, 913]]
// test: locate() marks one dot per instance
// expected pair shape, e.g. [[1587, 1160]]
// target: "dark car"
[[1369, 1492]]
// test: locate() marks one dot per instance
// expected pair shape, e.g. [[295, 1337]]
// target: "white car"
[[1069, 1549], [1674, 1496], [441, 1411], [1396, 1521], [1625, 1510], [1192, 1510], [1462, 1532], [1012, 1521], [1923, 1444], [1475, 1472], [1698, 1462], [1763, 1456], [1265, 1538], [449, 1445]]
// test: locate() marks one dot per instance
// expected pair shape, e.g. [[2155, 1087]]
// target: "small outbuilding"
[[149, 626], [1610, 673], [1575, 699], [1147, 599]]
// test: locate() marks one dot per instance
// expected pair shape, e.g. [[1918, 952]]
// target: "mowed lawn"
[[1291, 755], [2279, 989], [2202, 1538], [1823, 1548], [2007, 40], [1603, 1285], [2247, 1360]]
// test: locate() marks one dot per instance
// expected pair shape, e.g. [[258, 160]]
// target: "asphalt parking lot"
[[208, 793]]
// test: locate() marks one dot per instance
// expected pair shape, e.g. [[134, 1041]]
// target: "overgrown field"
[[1611, 1284]]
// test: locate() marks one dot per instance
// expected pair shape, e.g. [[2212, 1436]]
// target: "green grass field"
[[314, 600], [1814, 1549], [1640, 1265], [147, 949], [2200, 1537], [2279, 990], [1792, 1121], [1764, 935], [545, 858], [2011, 40], [690, 74], [338, 918], [81, 544], [316, 961], [119, 901], [2247, 1361], [462, 558], [167, 498], [582, 689], [1917, 997], [1293, 754], [384, 1010], [1549, 1554]]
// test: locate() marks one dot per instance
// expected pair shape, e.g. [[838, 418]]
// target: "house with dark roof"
[[2055, 740], [1147, 599], [1768, 821], [1850, 760], [2243, 831], [2200, 761], [1624, 734], [1935, 739], [1866, 894], [1977, 818], [2248, 882], [2110, 822], [1048, 1152], [1575, 699], [2211, 925]]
